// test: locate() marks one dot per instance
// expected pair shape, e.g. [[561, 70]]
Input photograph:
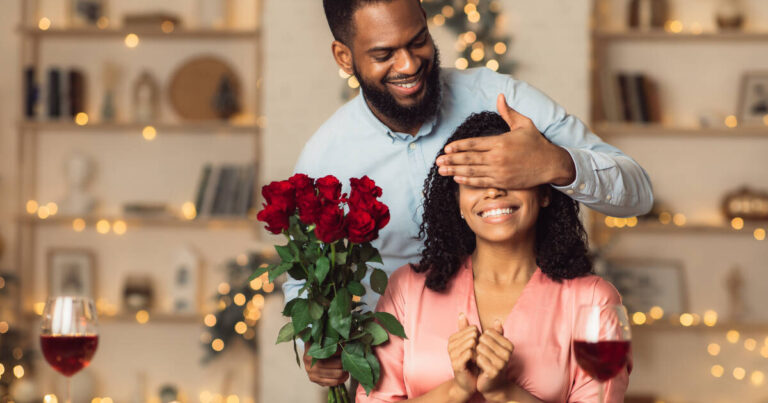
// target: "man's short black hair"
[[339, 14]]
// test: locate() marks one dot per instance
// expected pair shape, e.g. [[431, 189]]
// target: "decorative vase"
[[729, 14]]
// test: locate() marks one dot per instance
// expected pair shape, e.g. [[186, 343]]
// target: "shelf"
[[659, 228], [136, 222], [661, 35], [719, 327], [656, 130], [95, 33], [128, 318], [202, 127], [159, 318]]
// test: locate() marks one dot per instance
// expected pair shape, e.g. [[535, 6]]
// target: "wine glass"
[[69, 336], [601, 341]]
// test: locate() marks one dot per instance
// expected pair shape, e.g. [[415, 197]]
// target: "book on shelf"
[[225, 190], [630, 98]]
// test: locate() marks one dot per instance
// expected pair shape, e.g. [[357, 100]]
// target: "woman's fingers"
[[497, 358], [487, 368], [496, 340], [459, 348]]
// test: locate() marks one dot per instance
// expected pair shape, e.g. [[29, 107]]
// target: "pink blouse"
[[540, 325]]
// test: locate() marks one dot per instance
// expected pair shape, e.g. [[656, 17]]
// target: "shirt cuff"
[[578, 184]]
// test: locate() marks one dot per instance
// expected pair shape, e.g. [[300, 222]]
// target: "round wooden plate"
[[194, 84]]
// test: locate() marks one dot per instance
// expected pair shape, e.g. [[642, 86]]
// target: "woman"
[[490, 308]]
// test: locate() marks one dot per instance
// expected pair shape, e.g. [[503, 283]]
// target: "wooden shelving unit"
[[656, 131], [95, 33], [204, 127], [138, 222], [661, 35]]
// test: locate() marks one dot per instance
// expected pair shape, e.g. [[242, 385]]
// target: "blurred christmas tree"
[[15, 350], [238, 305], [478, 25]]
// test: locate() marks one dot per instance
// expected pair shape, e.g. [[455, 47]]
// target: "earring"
[[462, 215]]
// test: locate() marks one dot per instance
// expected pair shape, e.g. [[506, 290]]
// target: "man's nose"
[[406, 63]]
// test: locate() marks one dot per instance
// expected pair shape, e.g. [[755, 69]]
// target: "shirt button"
[[569, 191], [582, 186], [608, 197], [412, 146]]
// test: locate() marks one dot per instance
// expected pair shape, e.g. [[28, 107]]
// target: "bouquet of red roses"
[[329, 236]]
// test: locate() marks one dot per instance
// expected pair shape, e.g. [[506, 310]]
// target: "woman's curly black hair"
[[561, 242]]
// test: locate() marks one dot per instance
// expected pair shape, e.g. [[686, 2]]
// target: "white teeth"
[[407, 85], [497, 212]]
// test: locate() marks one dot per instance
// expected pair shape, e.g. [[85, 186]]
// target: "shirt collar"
[[380, 127]]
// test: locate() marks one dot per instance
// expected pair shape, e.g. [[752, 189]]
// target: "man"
[[409, 106]]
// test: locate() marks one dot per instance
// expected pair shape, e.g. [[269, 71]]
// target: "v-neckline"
[[474, 311]]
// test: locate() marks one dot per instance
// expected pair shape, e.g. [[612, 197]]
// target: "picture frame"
[[71, 272], [86, 13], [645, 283], [753, 99]]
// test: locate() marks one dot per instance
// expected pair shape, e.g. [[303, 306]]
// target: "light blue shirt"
[[353, 143]]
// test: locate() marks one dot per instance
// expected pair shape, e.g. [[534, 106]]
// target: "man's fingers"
[[471, 171], [463, 158], [328, 381], [471, 144], [481, 182]]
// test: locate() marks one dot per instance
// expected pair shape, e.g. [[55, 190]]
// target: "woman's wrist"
[[457, 394]]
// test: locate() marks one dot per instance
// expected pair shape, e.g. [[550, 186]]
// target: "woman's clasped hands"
[[480, 361]]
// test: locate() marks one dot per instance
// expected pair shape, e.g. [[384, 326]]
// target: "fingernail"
[[461, 315], [440, 161], [448, 149], [498, 322]]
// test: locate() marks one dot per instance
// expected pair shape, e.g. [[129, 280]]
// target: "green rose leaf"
[[375, 367], [300, 315], [379, 334], [322, 266], [315, 310], [259, 271], [316, 350], [378, 281], [297, 272], [358, 367], [289, 306], [356, 288], [390, 323], [339, 314], [294, 230], [280, 269], [285, 253], [360, 272], [341, 258], [317, 330], [286, 333]]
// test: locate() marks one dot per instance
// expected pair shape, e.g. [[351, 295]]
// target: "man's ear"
[[343, 56]]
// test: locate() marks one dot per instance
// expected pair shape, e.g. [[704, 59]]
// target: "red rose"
[[361, 227], [329, 188], [380, 212], [303, 184], [365, 185], [275, 217], [309, 207], [364, 193], [330, 224], [281, 195]]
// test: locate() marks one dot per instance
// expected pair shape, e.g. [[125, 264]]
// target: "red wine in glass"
[[69, 354], [601, 342], [69, 335], [602, 360]]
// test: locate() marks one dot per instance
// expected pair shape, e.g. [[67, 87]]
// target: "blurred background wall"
[[556, 47]]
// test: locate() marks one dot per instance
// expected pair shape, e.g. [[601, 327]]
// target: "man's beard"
[[406, 116]]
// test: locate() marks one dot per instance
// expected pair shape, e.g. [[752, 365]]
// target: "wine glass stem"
[[600, 393], [69, 390]]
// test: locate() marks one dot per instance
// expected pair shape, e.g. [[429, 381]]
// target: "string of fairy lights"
[[679, 220], [479, 29]]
